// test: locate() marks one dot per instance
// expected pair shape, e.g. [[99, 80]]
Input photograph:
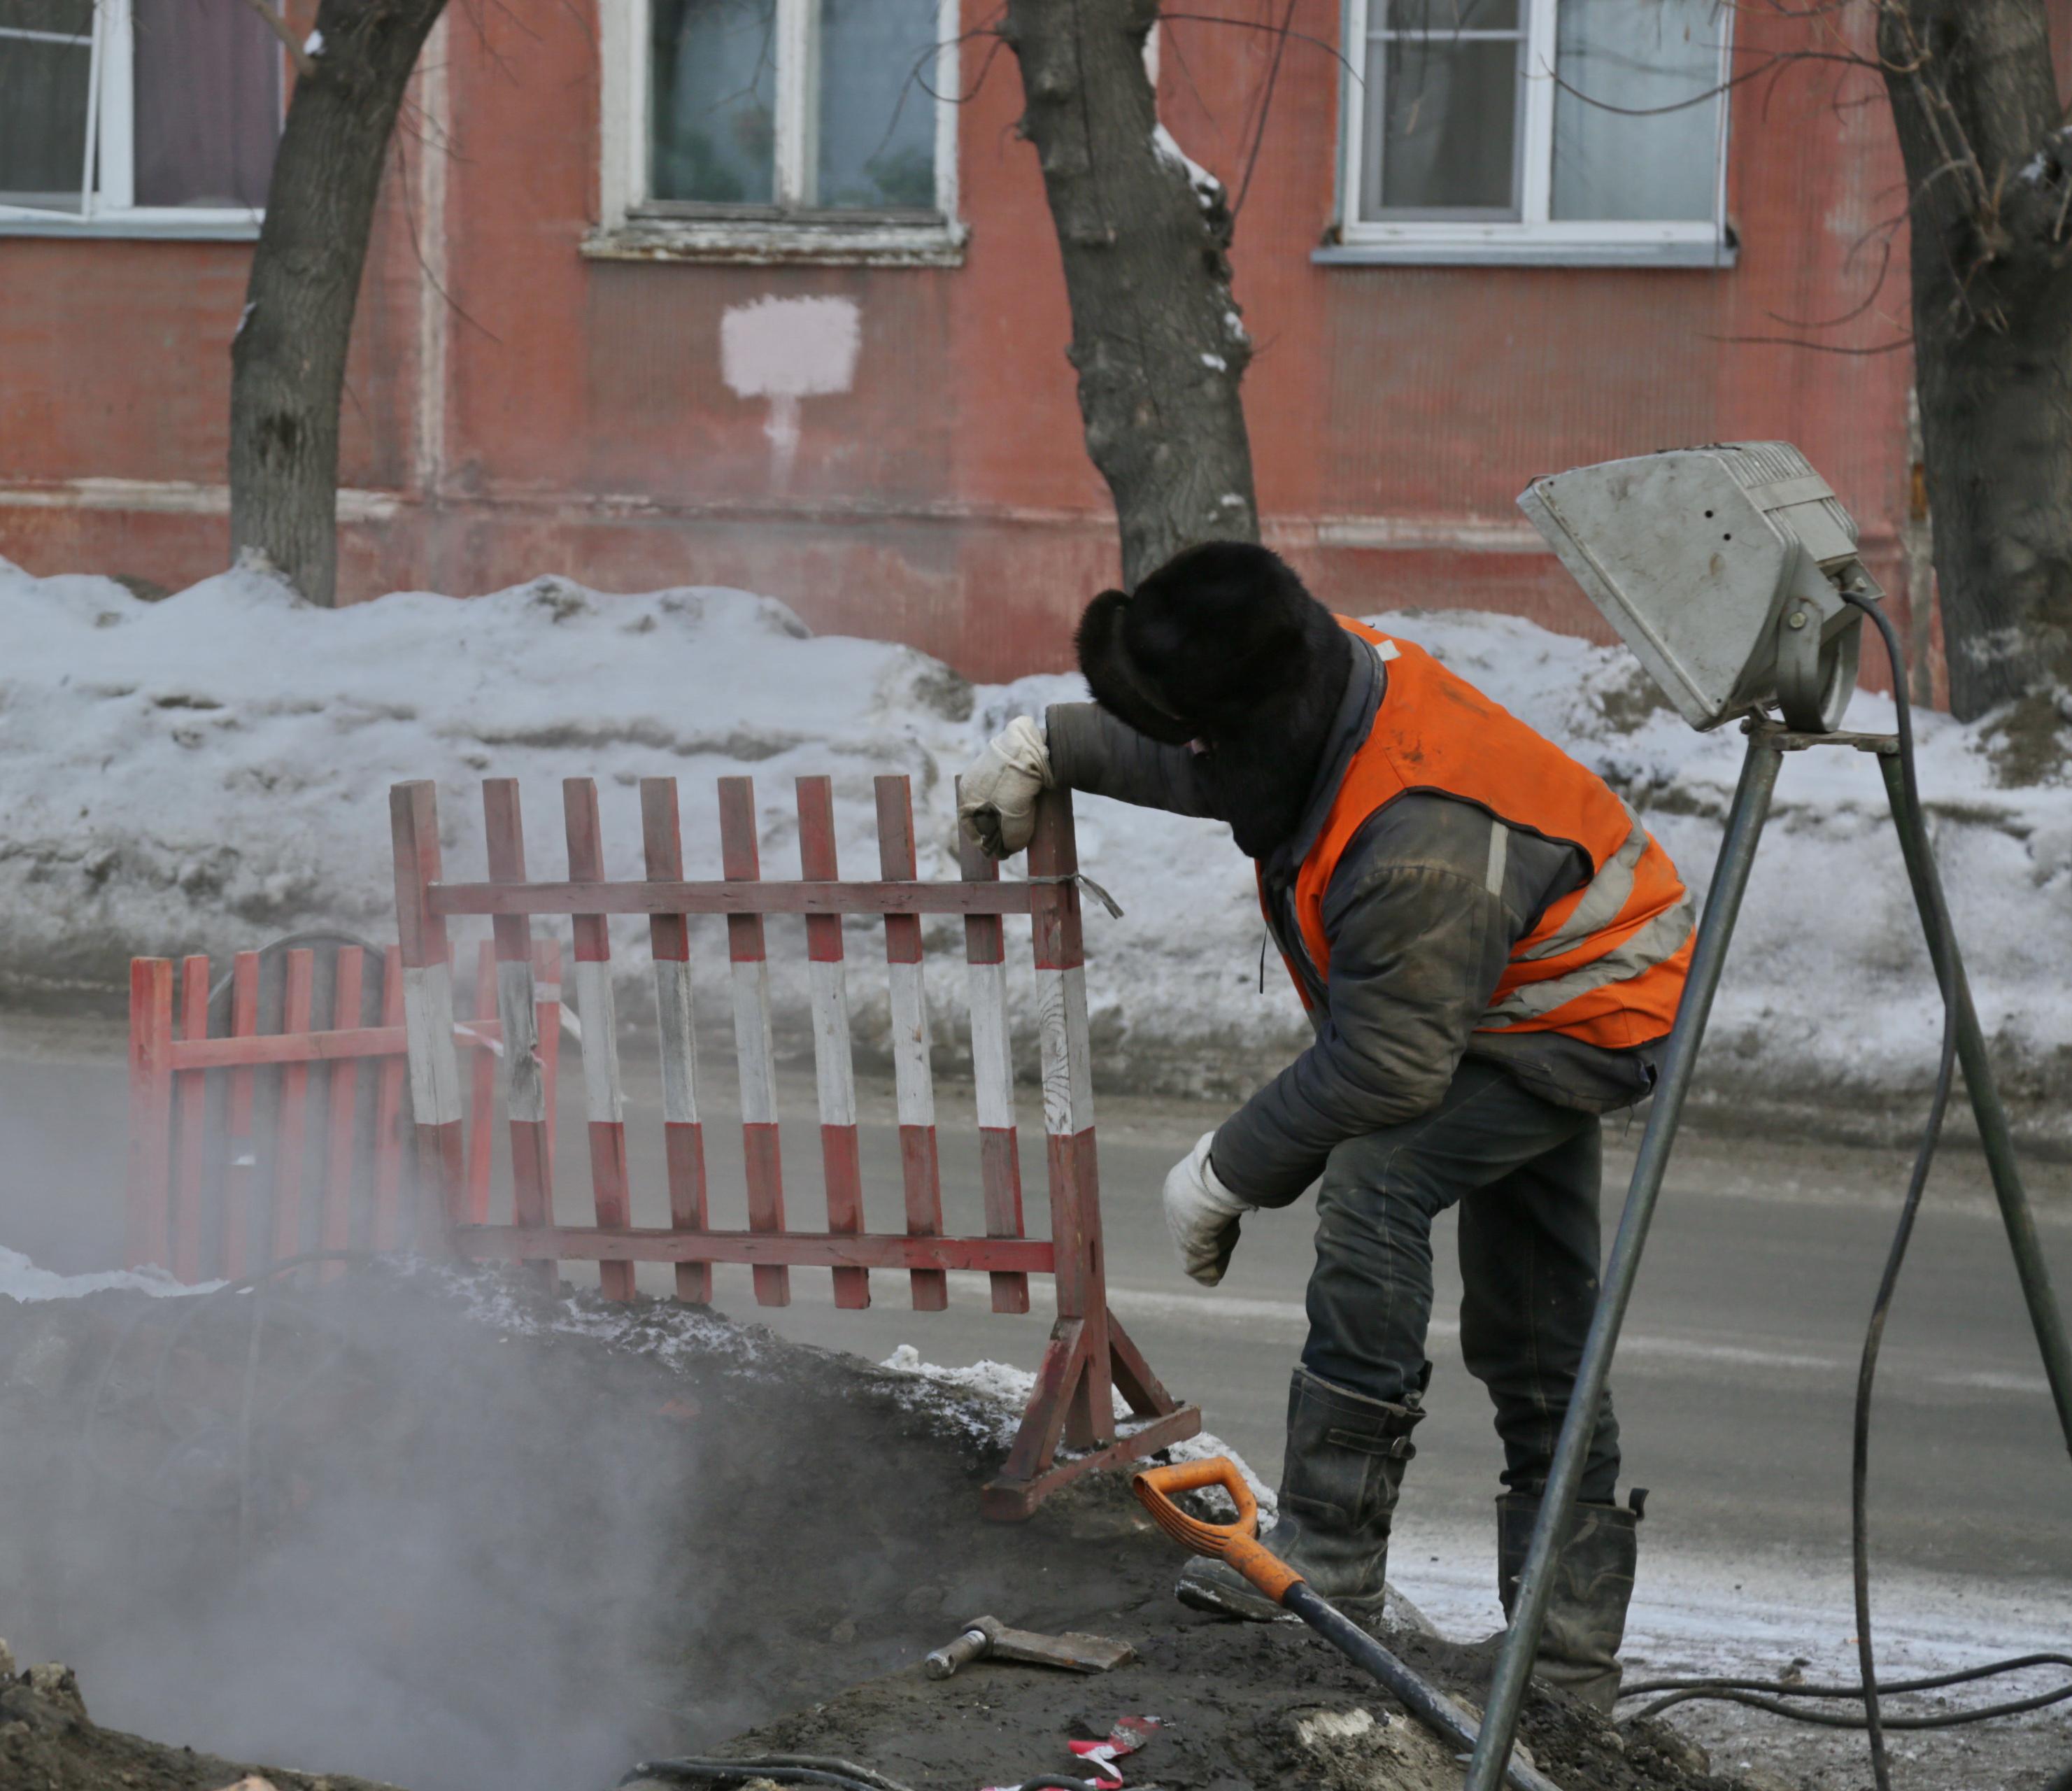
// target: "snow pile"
[[210, 772], [20, 1279]]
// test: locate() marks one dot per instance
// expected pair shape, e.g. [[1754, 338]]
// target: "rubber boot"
[[1339, 1485], [1592, 1585]]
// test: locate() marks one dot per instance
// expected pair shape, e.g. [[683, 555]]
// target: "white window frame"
[[108, 161], [632, 228], [1534, 237]]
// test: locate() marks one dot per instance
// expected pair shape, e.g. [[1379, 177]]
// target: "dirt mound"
[[48, 1743], [1237, 1704], [438, 1530]]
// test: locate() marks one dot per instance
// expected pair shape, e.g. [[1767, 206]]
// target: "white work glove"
[[997, 795], [1202, 1215]]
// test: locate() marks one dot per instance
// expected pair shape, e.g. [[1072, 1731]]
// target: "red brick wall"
[[946, 500]]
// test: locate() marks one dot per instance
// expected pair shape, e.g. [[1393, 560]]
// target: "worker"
[[1491, 948]]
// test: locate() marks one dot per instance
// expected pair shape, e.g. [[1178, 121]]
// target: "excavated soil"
[[48, 1742], [445, 1532]]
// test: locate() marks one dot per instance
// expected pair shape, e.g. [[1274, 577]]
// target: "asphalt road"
[[1733, 1382]]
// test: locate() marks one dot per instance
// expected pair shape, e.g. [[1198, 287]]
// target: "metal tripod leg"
[[2029, 1266], [1730, 875]]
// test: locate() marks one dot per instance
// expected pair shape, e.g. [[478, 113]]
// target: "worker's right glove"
[[997, 795], [1202, 1215]]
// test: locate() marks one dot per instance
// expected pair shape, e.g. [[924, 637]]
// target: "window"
[[1534, 131], [780, 128], [137, 116]]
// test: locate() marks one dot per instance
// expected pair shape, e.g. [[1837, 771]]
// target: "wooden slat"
[[193, 1100], [527, 1087], [291, 1114], [733, 895], [318, 1048], [435, 1093], [604, 1096], [547, 1025], [150, 1111], [240, 1148], [992, 1076], [1068, 1120], [655, 1243], [669, 940], [385, 1226], [913, 1080], [335, 1223], [755, 1052], [481, 1090], [833, 1063]]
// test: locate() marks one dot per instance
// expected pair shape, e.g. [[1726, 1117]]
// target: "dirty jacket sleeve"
[[1418, 942], [1091, 751]]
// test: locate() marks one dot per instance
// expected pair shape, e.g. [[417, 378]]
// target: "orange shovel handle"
[[1237, 1543]]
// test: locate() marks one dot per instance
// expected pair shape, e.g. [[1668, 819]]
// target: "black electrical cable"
[[316, 935], [1945, 961], [1767, 1695], [1772, 1695], [778, 1768], [828, 1763]]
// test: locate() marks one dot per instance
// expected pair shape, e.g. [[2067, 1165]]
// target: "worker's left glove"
[[997, 795], [1202, 1215]]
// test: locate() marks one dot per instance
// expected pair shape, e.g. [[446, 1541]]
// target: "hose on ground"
[[1769, 1694], [801, 1769]]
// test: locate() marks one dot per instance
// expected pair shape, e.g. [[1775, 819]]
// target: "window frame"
[[634, 226], [1534, 238], [109, 160]]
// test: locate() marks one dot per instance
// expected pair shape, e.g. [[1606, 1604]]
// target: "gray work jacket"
[[1423, 910]]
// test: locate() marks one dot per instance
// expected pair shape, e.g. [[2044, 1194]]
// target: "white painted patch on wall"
[[786, 350]]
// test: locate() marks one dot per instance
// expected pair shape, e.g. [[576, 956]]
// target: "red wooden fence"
[[252, 1144], [1089, 1353]]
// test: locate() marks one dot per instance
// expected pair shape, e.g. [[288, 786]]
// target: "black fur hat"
[[1222, 647]]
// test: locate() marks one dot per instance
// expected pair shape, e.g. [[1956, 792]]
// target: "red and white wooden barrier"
[[1089, 1353], [248, 1147]]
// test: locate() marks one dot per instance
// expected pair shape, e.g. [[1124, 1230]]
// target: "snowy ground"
[[210, 772]]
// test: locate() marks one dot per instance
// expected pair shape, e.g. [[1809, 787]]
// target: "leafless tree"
[[1983, 128], [288, 360], [1145, 237]]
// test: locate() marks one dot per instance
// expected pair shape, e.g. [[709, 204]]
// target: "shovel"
[[1238, 1545]]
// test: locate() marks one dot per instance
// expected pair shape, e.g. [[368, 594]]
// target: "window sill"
[[764, 243], [1494, 249], [167, 226]]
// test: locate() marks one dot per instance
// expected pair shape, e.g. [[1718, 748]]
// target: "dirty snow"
[[990, 1397], [20, 1279], [210, 772]]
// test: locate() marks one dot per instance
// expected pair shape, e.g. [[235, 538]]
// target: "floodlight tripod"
[[1768, 742]]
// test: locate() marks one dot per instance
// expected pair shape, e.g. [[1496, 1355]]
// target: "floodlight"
[[1723, 568]]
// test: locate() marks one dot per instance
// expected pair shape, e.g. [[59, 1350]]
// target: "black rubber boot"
[[1592, 1585], [1338, 1484]]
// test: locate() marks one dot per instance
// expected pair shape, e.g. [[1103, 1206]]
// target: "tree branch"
[[305, 64]]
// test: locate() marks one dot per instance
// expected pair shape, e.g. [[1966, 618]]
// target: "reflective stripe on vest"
[[1606, 963]]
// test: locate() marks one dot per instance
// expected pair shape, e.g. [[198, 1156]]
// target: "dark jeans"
[[1525, 1174]]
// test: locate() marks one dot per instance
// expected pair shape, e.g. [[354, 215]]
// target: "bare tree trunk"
[[288, 360], [1156, 334], [1990, 177]]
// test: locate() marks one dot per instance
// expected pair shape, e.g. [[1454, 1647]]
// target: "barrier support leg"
[[1089, 1353]]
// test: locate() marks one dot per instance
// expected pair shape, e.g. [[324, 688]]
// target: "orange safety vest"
[[1606, 963]]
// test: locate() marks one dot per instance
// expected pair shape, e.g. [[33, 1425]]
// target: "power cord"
[[1772, 1695], [800, 1769]]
